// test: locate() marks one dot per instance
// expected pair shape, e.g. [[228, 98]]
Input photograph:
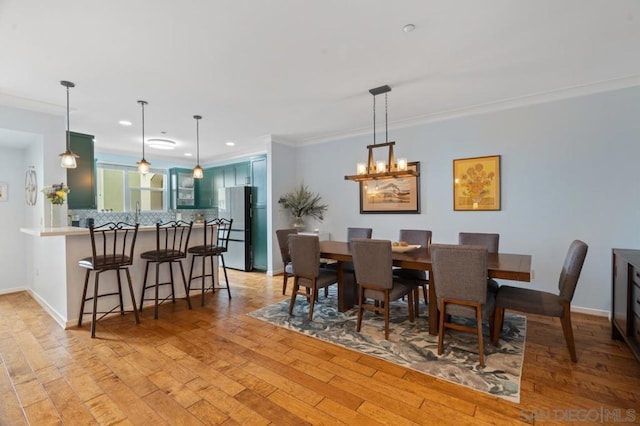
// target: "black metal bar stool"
[[112, 247], [216, 241], [172, 240]]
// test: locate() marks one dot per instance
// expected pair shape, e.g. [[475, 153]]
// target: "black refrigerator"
[[236, 204]]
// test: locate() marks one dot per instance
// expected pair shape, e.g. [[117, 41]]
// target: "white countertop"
[[74, 230]]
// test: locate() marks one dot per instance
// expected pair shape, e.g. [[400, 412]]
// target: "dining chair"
[[375, 279], [283, 243], [112, 246], [172, 241], [543, 303], [204, 251], [305, 260], [460, 274], [490, 241], [419, 279]]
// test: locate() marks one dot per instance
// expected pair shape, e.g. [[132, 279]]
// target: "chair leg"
[[441, 328], [173, 288], [213, 275], [386, 313], [416, 301], [120, 291], [480, 341], [326, 292], [294, 293], [84, 297], [314, 296], [193, 261], [226, 278], [144, 284], [411, 304], [184, 282], [95, 305], [498, 318], [284, 281], [567, 329], [133, 298], [155, 313], [360, 307], [204, 286]]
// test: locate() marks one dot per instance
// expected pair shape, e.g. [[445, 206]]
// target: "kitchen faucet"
[[137, 212]]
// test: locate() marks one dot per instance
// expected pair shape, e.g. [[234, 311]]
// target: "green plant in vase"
[[303, 202]]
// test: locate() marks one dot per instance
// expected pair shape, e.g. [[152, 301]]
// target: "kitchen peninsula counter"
[[57, 280]]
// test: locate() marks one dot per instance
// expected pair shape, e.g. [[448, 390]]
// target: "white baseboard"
[[589, 311], [13, 290], [62, 322]]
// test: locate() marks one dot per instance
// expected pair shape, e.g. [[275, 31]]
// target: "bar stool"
[[112, 247], [216, 242], [172, 240]]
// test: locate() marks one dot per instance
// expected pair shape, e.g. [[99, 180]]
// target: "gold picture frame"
[[397, 195], [476, 183]]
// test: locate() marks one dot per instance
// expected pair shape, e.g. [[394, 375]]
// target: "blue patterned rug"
[[410, 345]]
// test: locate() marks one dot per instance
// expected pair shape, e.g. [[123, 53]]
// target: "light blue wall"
[[569, 171]]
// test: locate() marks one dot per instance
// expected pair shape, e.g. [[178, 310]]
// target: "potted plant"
[[302, 202]]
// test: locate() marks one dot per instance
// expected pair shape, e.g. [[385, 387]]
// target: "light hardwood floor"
[[215, 365]]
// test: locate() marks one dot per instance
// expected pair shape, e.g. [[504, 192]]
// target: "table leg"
[[346, 289]]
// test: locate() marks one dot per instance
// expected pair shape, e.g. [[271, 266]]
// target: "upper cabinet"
[[82, 180], [190, 193]]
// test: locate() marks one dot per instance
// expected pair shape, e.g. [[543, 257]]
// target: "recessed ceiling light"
[[188, 154], [230, 143], [125, 122], [161, 143], [408, 28]]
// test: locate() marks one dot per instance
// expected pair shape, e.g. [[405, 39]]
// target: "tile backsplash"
[[144, 218]]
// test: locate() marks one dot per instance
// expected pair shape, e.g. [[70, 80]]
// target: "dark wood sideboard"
[[625, 309]]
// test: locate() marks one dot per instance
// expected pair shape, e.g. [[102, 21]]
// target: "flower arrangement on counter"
[[56, 193]]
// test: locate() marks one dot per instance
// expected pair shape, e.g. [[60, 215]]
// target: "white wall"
[[569, 171], [12, 212]]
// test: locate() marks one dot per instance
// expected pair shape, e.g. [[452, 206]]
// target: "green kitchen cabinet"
[[190, 193], [82, 180]]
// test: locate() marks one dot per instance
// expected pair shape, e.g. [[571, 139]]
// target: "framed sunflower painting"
[[476, 183]]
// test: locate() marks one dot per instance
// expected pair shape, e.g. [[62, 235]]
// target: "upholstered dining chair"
[[490, 241], [283, 243], [305, 260], [172, 241], [460, 274], [374, 274], [112, 248], [216, 242], [419, 279], [544, 303]]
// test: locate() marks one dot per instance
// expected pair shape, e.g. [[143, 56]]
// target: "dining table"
[[507, 266]]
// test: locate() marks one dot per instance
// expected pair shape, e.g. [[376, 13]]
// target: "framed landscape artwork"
[[476, 183], [398, 195]]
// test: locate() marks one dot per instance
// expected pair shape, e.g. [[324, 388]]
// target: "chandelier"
[[381, 169]]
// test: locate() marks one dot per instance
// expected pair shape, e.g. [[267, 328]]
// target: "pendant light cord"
[[386, 121], [198, 141], [68, 135], [374, 119], [142, 105]]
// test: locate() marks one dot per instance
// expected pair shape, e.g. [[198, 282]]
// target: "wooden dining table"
[[515, 267]]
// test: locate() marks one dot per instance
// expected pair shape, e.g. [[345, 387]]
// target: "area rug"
[[410, 345]]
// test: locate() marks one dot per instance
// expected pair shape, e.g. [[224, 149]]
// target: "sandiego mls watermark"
[[583, 415]]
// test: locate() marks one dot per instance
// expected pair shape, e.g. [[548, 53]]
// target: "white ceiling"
[[301, 70]]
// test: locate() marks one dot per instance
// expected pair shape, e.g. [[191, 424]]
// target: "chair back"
[[210, 234], [460, 272], [571, 269], [372, 262], [358, 233], [416, 237], [305, 255], [490, 241], [112, 244], [224, 230], [283, 243], [172, 238]]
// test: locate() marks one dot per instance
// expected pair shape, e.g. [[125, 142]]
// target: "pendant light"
[[198, 173], [68, 158], [390, 169], [143, 165]]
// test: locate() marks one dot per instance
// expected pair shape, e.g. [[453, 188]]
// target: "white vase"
[[56, 216]]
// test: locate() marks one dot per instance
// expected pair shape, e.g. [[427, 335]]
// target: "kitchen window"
[[120, 188]]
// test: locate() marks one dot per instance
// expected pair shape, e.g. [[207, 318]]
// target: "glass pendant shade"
[[198, 173], [143, 165], [68, 158]]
